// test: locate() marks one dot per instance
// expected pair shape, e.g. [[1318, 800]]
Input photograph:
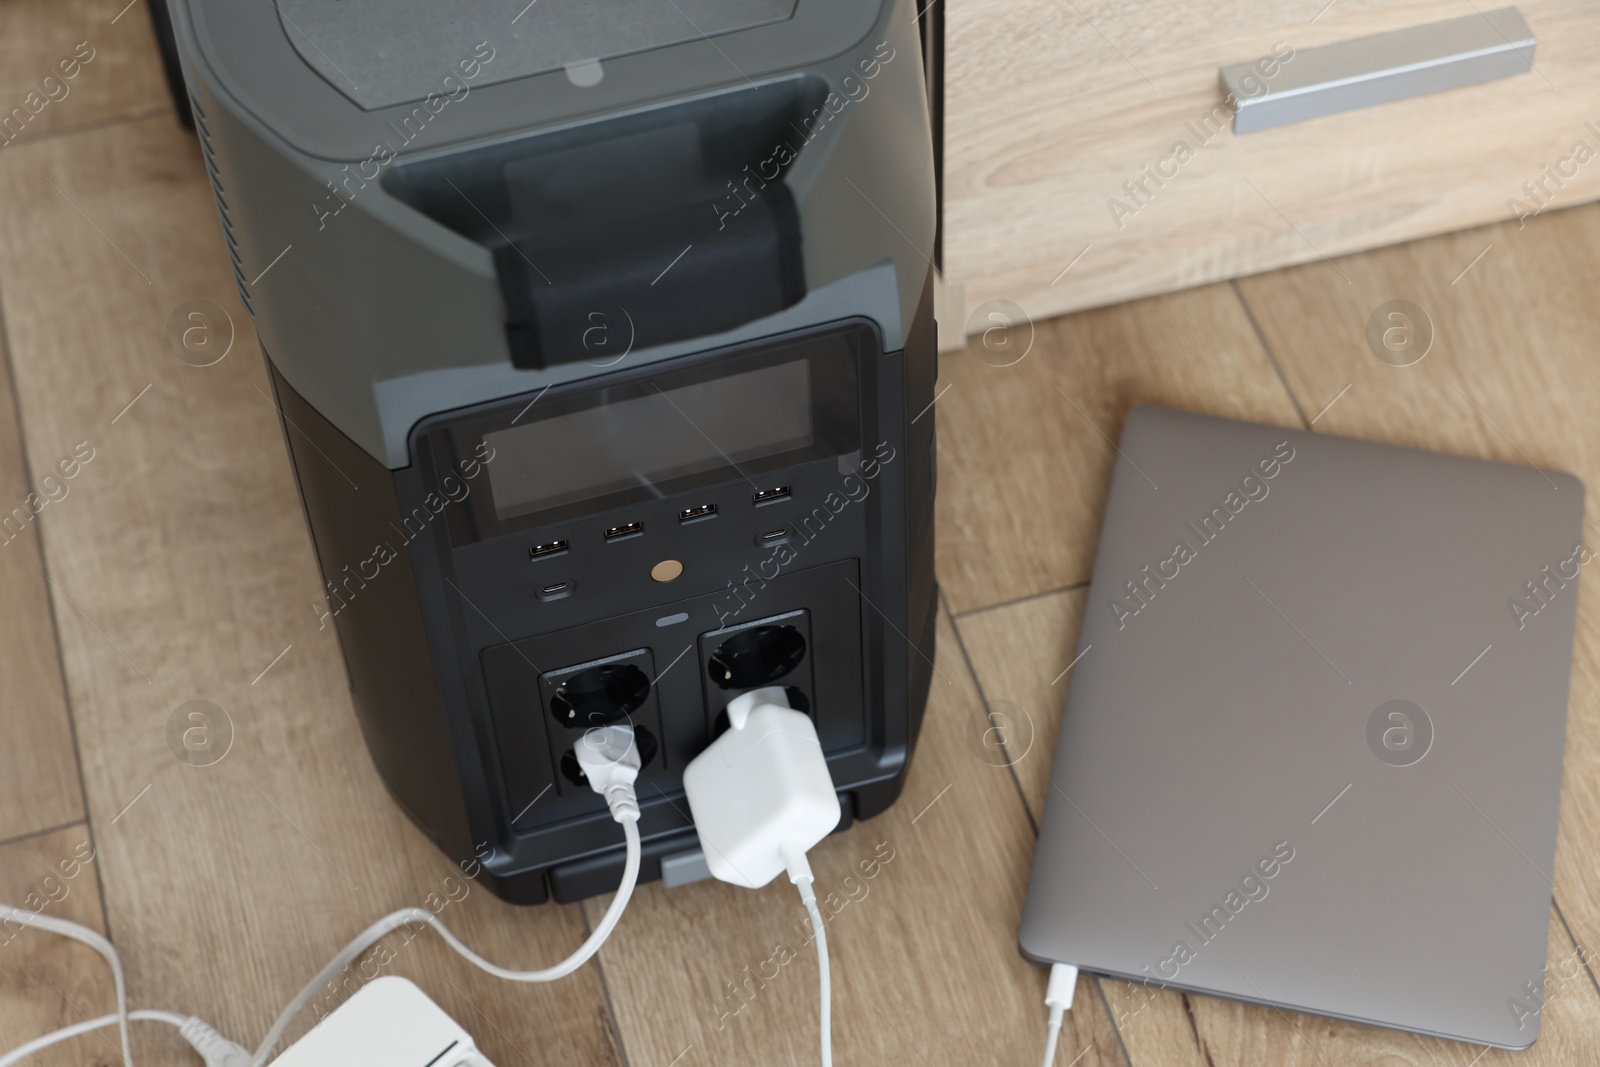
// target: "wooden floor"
[[175, 566]]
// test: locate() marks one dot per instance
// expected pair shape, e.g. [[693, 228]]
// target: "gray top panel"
[[336, 38], [1232, 708], [485, 86]]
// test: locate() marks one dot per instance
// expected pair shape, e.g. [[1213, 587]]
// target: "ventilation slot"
[[222, 205]]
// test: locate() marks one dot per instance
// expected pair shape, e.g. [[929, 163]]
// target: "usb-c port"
[[619, 533], [772, 496], [704, 511], [551, 548]]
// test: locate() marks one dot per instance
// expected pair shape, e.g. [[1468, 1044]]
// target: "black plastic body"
[[740, 274], [453, 648]]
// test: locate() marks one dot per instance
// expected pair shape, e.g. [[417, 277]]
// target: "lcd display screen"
[[651, 439], [654, 432]]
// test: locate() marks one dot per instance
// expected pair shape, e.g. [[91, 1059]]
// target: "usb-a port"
[[772, 496], [695, 514], [549, 548], [619, 533]]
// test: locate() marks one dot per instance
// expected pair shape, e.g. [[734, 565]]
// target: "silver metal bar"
[[684, 868], [1378, 69]]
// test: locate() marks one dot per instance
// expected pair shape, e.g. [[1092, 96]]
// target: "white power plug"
[[610, 762], [761, 793], [761, 796]]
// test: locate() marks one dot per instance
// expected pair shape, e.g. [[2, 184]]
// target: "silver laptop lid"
[[1311, 754]]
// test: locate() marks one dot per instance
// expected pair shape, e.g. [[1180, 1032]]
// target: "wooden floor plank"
[[1510, 376], [1025, 450], [183, 570], [46, 981], [1021, 653], [924, 947], [43, 789], [66, 63]]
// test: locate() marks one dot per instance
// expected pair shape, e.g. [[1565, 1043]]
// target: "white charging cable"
[[799, 869], [610, 761], [1058, 998], [761, 796]]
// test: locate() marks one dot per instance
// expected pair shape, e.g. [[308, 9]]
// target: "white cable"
[[66, 1033], [95, 941], [761, 795], [610, 761], [217, 1050], [800, 874], [395, 920], [1058, 998], [808, 895], [1053, 1036]]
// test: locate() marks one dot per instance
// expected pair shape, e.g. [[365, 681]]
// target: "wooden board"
[[1026, 431], [1020, 654], [1051, 108], [47, 982], [112, 70], [43, 790]]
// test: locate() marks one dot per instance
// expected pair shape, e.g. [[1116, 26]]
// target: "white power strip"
[[388, 1023]]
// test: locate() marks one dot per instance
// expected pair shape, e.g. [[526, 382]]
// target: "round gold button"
[[666, 570]]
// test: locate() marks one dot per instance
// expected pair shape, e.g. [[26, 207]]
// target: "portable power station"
[[603, 341]]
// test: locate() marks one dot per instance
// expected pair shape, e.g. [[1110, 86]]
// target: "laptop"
[[1311, 753]]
